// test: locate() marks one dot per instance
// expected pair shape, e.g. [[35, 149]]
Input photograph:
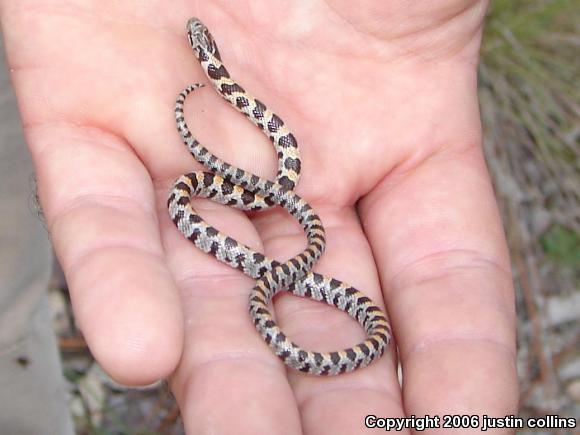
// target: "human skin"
[[382, 99]]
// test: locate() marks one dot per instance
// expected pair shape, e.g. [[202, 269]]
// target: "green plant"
[[562, 245]]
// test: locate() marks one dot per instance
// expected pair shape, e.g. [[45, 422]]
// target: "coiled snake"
[[235, 187]]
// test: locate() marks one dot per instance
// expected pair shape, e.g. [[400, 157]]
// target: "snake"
[[238, 188]]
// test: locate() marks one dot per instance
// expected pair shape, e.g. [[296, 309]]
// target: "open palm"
[[382, 99]]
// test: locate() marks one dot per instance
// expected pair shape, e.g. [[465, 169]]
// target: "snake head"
[[200, 39]]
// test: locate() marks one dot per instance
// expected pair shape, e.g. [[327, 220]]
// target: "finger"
[[225, 361], [336, 404], [96, 195], [99, 206], [439, 245]]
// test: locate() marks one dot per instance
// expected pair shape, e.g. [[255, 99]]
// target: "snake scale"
[[235, 187]]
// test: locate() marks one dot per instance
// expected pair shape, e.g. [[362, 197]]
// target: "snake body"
[[235, 187]]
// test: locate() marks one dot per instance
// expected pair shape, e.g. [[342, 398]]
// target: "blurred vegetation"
[[529, 73], [562, 245], [530, 105]]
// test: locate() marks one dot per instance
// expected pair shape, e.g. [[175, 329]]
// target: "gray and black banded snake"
[[235, 187]]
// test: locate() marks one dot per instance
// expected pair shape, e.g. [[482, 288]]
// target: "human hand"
[[382, 99]]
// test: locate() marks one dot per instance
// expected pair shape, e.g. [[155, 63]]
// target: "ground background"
[[530, 105]]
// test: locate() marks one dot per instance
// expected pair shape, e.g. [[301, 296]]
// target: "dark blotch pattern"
[[182, 186], [230, 89], [274, 123], [259, 110], [227, 188], [217, 73], [202, 55], [288, 141], [334, 357], [286, 183], [364, 348], [242, 102], [230, 243], [207, 179], [194, 218], [247, 197], [184, 200], [294, 164]]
